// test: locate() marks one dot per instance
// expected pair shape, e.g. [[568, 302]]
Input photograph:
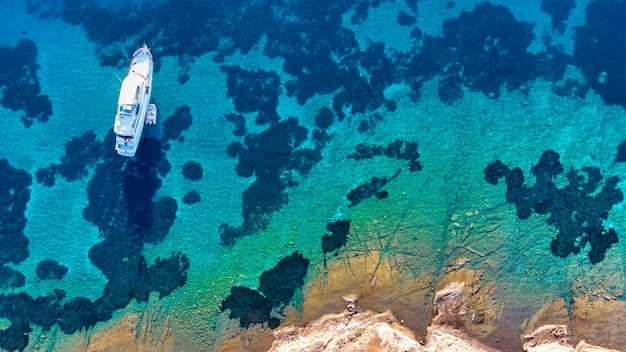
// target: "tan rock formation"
[[380, 285], [357, 329], [463, 302], [600, 320], [352, 330], [598, 307], [553, 314], [585, 347], [548, 338], [451, 303], [444, 339]]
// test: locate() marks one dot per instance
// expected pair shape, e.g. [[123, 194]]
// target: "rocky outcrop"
[[357, 329], [363, 330], [554, 338], [548, 338], [352, 330]]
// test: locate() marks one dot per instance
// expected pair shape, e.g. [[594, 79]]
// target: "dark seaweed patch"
[[10, 277], [405, 19], [369, 124], [80, 153], [175, 124], [16, 307], [559, 10], [490, 48], [46, 175], [270, 156], [576, 210], [50, 270], [303, 160], [486, 48], [249, 306], [496, 171], [321, 139], [79, 313], [183, 77], [14, 195], [254, 91], [361, 93], [280, 283], [597, 49], [450, 89], [192, 170], [164, 166], [164, 215], [337, 237], [483, 49], [369, 189], [192, 197], [621, 152], [273, 323], [324, 118], [121, 205], [276, 289], [240, 123], [21, 90], [233, 150], [399, 149]]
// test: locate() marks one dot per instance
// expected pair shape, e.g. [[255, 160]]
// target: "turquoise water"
[[305, 152]]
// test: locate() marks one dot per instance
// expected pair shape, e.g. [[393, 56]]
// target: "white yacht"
[[133, 107]]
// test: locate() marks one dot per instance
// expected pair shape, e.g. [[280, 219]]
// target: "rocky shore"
[[357, 329]]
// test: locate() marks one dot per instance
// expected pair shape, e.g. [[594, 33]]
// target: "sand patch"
[[134, 332]]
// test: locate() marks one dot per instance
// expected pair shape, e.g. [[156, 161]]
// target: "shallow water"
[[344, 148]]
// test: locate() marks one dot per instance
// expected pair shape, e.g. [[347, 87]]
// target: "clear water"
[[343, 147]]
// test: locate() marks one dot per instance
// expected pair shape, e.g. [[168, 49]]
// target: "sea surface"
[[304, 151]]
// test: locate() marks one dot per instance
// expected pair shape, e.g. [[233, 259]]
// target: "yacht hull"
[[134, 103]]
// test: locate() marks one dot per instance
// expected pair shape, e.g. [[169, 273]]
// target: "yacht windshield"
[[126, 109]]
